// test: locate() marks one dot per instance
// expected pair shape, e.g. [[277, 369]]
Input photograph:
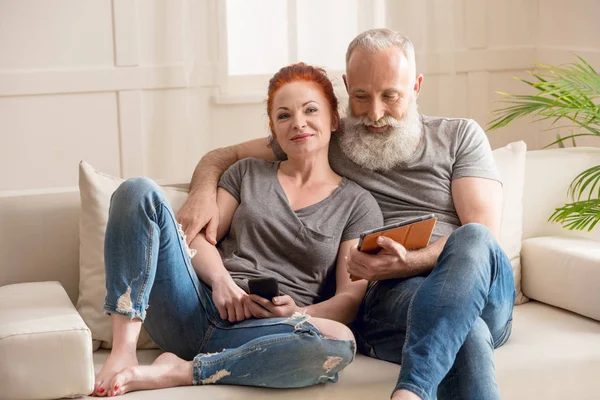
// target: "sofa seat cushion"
[[45, 347], [552, 354], [564, 272]]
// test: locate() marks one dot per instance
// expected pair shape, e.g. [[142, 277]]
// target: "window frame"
[[244, 89]]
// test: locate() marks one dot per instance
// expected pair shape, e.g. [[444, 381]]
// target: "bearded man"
[[438, 311]]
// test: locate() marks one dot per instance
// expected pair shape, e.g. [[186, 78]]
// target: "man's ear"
[[418, 83], [345, 83]]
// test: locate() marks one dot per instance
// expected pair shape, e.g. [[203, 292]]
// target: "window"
[[258, 37]]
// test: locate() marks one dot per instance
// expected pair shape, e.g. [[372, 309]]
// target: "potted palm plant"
[[564, 93]]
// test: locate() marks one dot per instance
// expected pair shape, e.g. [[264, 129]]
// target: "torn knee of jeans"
[[331, 363], [182, 235], [300, 321]]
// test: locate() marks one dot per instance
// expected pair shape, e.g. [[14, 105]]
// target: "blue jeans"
[[443, 326], [149, 275]]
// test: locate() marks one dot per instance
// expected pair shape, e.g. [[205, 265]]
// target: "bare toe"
[[116, 362]]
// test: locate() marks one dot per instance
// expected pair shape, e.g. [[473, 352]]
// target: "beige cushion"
[[564, 272], [552, 354], [45, 347], [511, 165], [547, 178], [96, 189]]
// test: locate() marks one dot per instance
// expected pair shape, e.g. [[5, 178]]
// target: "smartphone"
[[264, 287], [413, 233]]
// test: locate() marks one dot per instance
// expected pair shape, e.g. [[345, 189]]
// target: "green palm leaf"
[[563, 93]]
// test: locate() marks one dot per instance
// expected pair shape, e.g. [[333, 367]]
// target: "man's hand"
[[200, 211], [230, 300], [390, 262], [281, 306]]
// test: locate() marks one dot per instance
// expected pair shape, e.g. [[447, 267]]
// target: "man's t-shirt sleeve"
[[365, 215], [473, 154], [233, 177], [277, 150]]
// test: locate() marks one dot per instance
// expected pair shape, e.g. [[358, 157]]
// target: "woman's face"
[[301, 116]]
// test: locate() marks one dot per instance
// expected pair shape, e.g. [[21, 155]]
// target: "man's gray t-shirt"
[[267, 238], [450, 148]]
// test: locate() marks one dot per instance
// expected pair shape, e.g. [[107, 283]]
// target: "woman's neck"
[[309, 169]]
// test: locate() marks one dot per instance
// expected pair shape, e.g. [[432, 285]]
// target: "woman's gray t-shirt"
[[298, 248]]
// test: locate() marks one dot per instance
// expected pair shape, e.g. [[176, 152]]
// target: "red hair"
[[302, 72]]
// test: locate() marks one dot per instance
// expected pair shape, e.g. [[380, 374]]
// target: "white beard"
[[381, 151]]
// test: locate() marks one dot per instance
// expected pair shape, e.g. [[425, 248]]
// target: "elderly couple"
[[292, 207]]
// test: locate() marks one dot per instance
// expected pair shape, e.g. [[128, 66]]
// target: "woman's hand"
[[281, 306], [231, 301]]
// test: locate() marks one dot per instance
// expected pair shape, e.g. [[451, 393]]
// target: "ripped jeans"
[[149, 275]]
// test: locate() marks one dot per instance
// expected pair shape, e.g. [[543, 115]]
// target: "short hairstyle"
[[302, 72], [380, 39]]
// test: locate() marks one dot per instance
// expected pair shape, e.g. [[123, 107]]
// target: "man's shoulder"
[[446, 123]]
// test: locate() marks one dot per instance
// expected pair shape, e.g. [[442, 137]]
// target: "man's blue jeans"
[[443, 327], [149, 276]]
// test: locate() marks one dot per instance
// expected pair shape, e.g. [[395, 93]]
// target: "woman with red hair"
[[294, 221]]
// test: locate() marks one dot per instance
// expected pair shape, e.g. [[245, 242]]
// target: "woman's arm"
[[344, 305], [229, 298]]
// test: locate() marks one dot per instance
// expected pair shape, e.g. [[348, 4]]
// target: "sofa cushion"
[[510, 161], [45, 347], [552, 354], [96, 189], [564, 272], [547, 178]]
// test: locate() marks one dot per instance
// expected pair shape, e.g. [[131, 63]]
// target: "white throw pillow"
[[96, 189], [511, 165]]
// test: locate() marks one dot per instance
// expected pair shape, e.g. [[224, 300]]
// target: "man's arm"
[[476, 200], [200, 210]]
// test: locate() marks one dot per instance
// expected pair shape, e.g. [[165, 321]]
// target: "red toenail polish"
[[116, 387], [100, 390]]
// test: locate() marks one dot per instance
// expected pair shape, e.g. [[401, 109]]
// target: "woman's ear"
[[335, 123]]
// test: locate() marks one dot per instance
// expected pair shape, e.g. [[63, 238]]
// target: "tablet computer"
[[413, 234]]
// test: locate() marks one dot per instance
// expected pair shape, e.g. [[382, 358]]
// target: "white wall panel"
[[40, 34], [569, 24], [161, 31], [126, 32], [235, 124], [45, 137], [512, 23], [176, 132]]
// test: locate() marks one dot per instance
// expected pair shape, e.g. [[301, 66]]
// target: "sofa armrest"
[[45, 347], [563, 272]]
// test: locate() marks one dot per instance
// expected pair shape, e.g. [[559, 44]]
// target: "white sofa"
[[553, 353]]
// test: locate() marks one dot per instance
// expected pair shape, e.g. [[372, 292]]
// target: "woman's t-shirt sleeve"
[[364, 216], [232, 179]]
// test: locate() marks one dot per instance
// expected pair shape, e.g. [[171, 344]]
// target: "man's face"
[[381, 83], [383, 126]]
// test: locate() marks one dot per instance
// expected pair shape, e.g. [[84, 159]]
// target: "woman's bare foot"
[[116, 362], [167, 370]]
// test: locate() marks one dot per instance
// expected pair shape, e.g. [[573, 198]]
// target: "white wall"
[[129, 85]]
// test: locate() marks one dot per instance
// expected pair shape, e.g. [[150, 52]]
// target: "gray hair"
[[380, 39]]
